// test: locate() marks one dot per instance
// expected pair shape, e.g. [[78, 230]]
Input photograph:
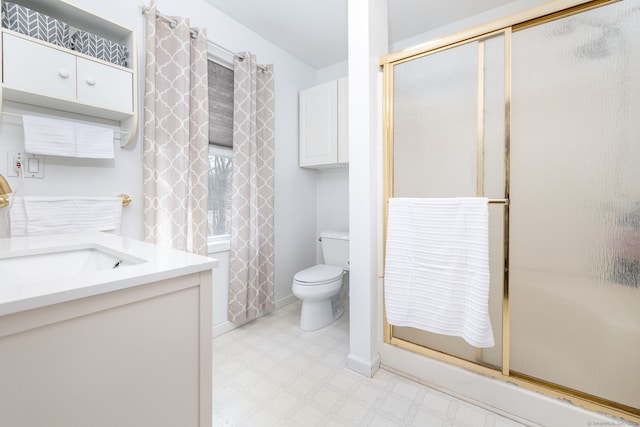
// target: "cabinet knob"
[[63, 73], [91, 81]]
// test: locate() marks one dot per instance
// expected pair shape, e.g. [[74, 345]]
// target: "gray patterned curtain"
[[251, 273], [175, 158]]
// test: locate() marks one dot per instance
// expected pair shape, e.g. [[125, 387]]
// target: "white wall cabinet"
[[31, 69], [42, 74], [105, 86], [324, 122], [37, 68]]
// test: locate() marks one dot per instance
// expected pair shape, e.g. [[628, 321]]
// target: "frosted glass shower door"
[[437, 153], [575, 203]]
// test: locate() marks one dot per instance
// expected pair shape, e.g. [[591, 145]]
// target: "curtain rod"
[[194, 33], [172, 22]]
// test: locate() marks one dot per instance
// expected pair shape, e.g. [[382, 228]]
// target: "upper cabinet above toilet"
[[324, 137]]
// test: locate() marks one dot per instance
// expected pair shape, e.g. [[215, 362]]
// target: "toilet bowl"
[[319, 287]]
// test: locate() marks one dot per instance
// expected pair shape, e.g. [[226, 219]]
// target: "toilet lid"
[[318, 274]]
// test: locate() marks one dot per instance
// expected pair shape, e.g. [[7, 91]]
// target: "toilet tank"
[[335, 248]]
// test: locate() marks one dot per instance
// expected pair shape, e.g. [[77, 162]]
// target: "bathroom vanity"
[[100, 330]]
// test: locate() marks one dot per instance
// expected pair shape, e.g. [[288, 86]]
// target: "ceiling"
[[315, 31]]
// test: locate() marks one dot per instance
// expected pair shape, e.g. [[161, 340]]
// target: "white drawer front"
[[33, 67], [104, 86]]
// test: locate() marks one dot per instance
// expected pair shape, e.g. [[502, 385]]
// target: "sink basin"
[[61, 262]]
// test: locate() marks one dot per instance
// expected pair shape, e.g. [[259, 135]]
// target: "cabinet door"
[[319, 125], [34, 67], [343, 120], [104, 86]]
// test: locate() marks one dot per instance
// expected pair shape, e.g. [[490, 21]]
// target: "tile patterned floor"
[[270, 373]]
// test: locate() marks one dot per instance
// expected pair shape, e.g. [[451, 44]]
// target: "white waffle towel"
[[437, 267], [43, 135], [47, 215]]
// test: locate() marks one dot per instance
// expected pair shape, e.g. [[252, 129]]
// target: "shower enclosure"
[[540, 115]]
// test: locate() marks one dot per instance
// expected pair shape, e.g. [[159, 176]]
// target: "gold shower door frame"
[[504, 27]]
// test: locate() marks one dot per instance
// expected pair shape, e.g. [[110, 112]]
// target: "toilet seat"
[[318, 275]]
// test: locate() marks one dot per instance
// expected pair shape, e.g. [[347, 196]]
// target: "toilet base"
[[317, 314]]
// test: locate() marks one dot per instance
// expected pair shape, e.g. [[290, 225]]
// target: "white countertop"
[[157, 264]]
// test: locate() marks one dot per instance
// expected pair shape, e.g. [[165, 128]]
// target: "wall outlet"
[[32, 165], [12, 158], [17, 162]]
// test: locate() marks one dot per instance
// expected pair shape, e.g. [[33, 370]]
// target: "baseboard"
[[286, 301], [362, 366], [224, 327]]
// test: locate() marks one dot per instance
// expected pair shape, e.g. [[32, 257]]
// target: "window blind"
[[220, 105]]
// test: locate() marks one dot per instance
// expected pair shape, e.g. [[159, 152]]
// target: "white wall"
[[333, 72], [295, 188], [332, 202], [367, 42]]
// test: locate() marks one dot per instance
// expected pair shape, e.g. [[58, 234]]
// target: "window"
[[219, 201], [220, 151]]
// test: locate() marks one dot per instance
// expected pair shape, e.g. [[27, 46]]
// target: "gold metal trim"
[[388, 173], [480, 150], [573, 392], [478, 38], [444, 357], [480, 112], [549, 9], [498, 201], [506, 313], [561, 14], [126, 200]]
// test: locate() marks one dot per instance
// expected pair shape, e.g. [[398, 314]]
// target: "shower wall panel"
[[574, 257], [435, 106]]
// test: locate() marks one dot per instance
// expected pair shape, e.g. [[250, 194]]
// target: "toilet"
[[319, 287]]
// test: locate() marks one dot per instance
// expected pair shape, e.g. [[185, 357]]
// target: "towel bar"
[[126, 200], [4, 113], [491, 202]]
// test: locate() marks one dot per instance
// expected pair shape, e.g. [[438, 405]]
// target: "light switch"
[[33, 165]]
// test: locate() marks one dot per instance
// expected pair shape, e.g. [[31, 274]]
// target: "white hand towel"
[[437, 267], [17, 217], [43, 135], [48, 215]]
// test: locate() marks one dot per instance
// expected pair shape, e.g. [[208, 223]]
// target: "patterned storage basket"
[[92, 45], [34, 24]]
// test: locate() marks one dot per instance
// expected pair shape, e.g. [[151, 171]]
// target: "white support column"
[[368, 40]]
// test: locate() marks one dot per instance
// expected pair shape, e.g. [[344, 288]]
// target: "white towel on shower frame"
[[437, 267]]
